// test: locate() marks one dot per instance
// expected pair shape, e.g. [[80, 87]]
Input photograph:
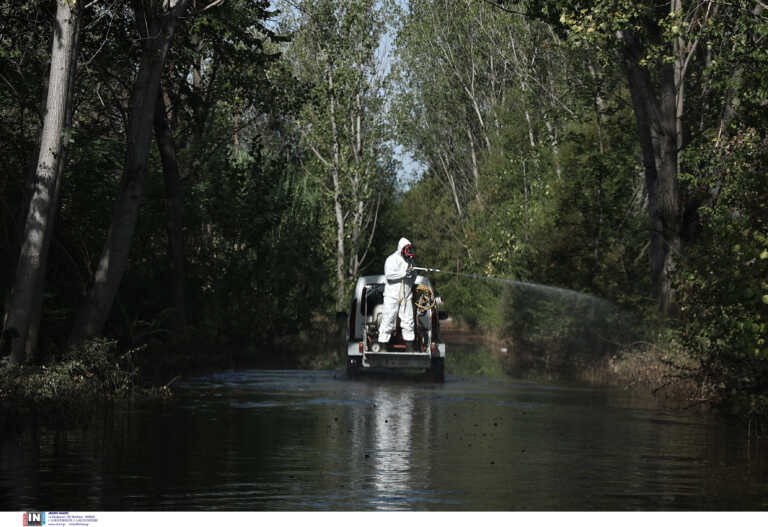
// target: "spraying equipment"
[[365, 353]]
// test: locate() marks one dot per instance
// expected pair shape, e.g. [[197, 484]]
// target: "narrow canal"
[[315, 440]]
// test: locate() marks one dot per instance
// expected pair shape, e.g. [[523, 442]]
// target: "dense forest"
[[203, 175]]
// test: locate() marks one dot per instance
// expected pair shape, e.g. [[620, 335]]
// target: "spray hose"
[[424, 299], [426, 269]]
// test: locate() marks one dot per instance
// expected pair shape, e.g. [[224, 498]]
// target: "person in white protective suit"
[[397, 294]]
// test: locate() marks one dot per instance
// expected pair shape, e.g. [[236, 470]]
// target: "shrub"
[[723, 290], [66, 389]]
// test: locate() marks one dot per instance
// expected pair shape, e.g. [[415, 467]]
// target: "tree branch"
[[320, 157], [213, 4], [373, 231], [506, 9]]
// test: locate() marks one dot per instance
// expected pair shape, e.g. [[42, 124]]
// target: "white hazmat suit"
[[397, 296]]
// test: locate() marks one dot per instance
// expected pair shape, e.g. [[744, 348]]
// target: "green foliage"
[[67, 389], [556, 194], [25, 29], [113, 371], [723, 284], [594, 239], [341, 122], [248, 209], [532, 172], [717, 52]]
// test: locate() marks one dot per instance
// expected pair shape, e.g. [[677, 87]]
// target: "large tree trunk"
[[25, 303], [175, 199], [37, 309], [656, 118], [155, 31]]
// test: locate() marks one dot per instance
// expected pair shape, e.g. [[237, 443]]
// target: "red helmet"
[[408, 253]]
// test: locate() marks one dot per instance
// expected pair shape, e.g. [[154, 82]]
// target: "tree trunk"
[[599, 107], [337, 205], [155, 31], [357, 177], [451, 183], [656, 122], [25, 303], [37, 310], [473, 158], [554, 145], [175, 200]]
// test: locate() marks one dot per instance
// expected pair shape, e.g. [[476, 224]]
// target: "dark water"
[[298, 440]]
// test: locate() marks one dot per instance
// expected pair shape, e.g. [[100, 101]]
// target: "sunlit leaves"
[[724, 300]]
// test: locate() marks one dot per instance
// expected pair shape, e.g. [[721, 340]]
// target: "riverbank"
[[66, 389], [664, 372]]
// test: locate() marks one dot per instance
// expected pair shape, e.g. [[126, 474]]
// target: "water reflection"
[[392, 417]]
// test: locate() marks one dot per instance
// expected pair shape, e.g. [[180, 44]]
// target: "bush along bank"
[[658, 362], [651, 362], [65, 390], [657, 369]]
